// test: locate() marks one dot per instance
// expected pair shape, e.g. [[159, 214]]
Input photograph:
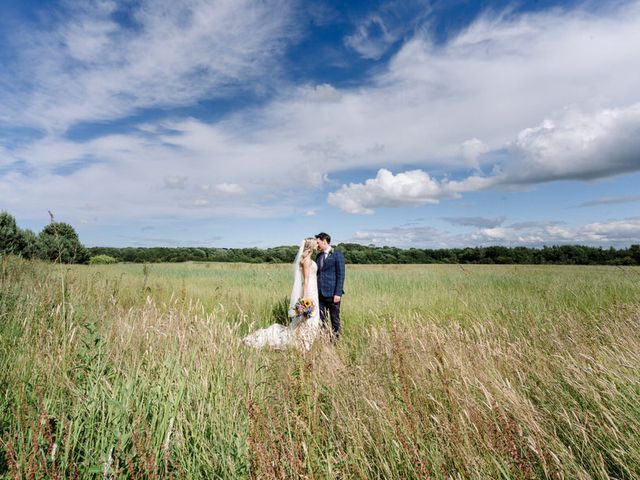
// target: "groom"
[[330, 282]]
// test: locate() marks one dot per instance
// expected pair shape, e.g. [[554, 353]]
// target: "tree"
[[59, 242], [30, 249], [11, 237]]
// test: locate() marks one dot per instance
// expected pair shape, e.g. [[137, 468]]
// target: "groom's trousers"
[[327, 307]]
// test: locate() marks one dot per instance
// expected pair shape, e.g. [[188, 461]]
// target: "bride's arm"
[[306, 271]]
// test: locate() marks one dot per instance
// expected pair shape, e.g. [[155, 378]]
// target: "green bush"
[[11, 237], [102, 260], [59, 242]]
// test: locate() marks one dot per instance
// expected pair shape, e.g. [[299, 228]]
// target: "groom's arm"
[[339, 276]]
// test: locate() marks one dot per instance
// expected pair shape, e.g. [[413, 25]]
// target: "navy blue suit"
[[330, 283]]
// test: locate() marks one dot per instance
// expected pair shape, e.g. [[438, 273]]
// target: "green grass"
[[132, 371]]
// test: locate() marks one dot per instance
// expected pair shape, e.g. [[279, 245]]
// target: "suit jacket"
[[331, 275]]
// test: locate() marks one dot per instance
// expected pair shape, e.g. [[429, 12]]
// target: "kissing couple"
[[315, 297]]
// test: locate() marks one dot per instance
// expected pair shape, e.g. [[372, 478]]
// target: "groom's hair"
[[324, 236]]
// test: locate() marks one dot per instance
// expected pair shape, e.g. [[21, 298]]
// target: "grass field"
[[444, 371]]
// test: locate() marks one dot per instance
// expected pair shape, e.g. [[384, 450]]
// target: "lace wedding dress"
[[300, 333]]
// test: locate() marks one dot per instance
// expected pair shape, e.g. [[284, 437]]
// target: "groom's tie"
[[322, 257]]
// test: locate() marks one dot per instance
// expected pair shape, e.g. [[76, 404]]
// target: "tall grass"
[[132, 371]]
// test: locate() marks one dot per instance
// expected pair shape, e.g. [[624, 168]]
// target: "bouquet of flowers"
[[304, 308]]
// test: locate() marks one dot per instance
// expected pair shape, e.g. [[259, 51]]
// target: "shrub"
[[102, 260], [280, 311], [59, 242]]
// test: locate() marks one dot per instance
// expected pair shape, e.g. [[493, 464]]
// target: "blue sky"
[[256, 123]]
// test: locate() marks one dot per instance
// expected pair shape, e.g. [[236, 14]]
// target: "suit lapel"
[[322, 264], [326, 260]]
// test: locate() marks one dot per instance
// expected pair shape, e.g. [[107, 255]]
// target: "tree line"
[[59, 242], [363, 254]]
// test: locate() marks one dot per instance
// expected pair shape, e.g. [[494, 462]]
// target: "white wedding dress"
[[300, 333]]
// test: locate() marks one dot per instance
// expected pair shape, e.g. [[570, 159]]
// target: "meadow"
[[443, 371]]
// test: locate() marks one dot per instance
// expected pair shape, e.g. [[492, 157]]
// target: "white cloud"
[[611, 232], [414, 187], [91, 68], [403, 237], [574, 146], [471, 150], [201, 202], [175, 182], [143, 241], [533, 224], [492, 234], [620, 232], [392, 20], [479, 222], [611, 200], [411, 188], [230, 189], [371, 38], [577, 146], [323, 93]]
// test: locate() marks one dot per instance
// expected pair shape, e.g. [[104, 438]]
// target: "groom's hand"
[[336, 299]]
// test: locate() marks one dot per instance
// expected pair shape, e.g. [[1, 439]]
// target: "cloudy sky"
[[255, 123]]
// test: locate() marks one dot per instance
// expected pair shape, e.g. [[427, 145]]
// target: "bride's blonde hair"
[[309, 247]]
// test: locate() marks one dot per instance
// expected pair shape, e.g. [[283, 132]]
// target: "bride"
[[301, 332]]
